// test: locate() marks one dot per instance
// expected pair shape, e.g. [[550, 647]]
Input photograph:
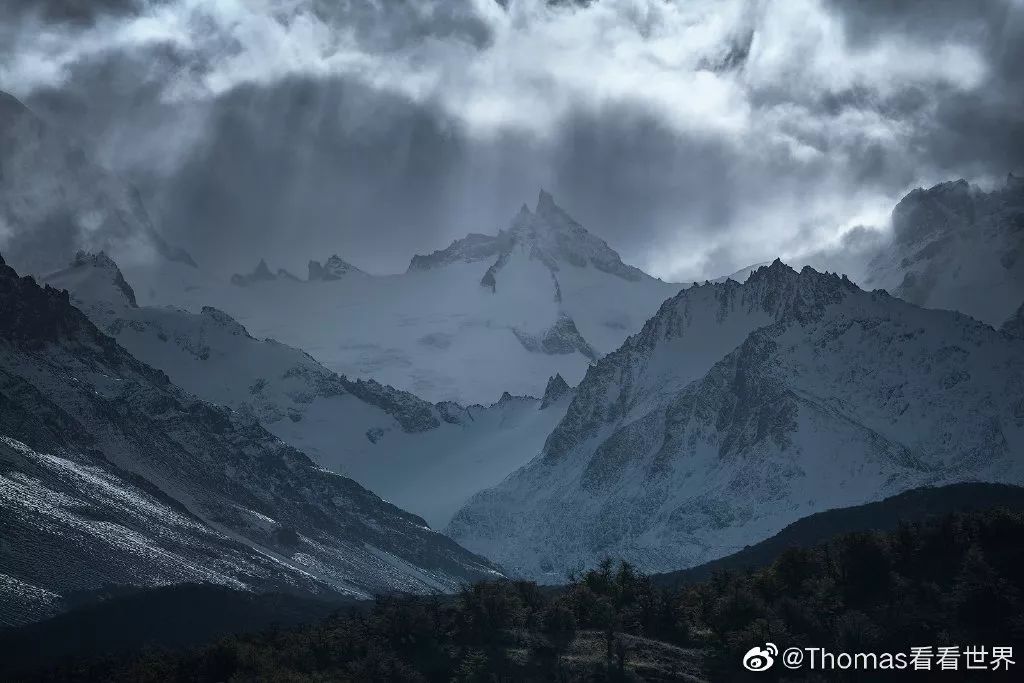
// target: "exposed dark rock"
[[472, 247], [561, 338], [334, 268], [557, 388]]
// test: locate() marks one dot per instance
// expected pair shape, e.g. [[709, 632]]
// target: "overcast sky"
[[695, 136]]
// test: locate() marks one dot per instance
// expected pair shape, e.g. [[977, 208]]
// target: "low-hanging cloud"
[[696, 137]]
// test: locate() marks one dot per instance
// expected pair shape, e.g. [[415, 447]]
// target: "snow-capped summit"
[[334, 268], [690, 332], [552, 236], [94, 280], [740, 408], [548, 233], [487, 314], [957, 247]]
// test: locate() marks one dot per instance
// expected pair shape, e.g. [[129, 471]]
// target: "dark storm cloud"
[[694, 137], [310, 167], [71, 11], [865, 21], [976, 132], [394, 24]]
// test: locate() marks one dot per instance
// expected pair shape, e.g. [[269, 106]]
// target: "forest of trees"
[[954, 580]]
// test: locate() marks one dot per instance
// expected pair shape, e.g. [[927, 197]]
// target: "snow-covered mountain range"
[[494, 313], [209, 441], [487, 314], [109, 473], [426, 458], [959, 248], [741, 408]]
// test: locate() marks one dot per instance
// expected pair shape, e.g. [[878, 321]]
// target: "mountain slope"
[[54, 200], [362, 429], [671, 455], [115, 455], [488, 314], [956, 247]]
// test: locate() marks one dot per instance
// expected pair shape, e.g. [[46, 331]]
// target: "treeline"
[[957, 581]]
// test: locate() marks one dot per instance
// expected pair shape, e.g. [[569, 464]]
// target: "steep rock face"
[[361, 428], [54, 200], [71, 394], [959, 248], [671, 454]]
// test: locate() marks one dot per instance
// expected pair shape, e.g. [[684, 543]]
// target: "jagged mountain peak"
[[551, 235], [556, 389], [224, 320], [547, 216], [94, 278], [740, 406], [261, 273], [548, 234], [686, 337], [923, 212], [98, 259], [334, 268], [30, 314], [777, 289], [953, 241], [546, 204]]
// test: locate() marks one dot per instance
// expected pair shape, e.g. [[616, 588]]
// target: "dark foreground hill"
[[885, 515], [169, 617], [949, 581]]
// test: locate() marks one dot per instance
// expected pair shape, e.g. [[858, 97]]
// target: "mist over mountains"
[[721, 135], [321, 301]]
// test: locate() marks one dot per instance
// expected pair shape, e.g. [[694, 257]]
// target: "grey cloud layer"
[[695, 137]]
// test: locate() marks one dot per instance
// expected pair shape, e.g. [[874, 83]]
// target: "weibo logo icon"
[[760, 659]]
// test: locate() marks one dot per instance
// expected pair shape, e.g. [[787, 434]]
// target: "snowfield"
[[428, 459], [487, 315]]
